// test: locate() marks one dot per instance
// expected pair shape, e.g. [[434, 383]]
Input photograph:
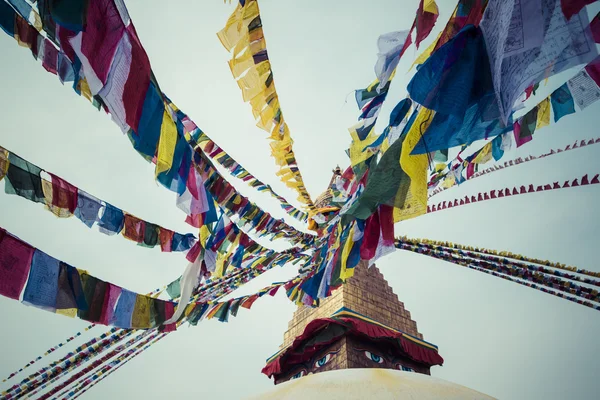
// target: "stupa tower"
[[362, 324]]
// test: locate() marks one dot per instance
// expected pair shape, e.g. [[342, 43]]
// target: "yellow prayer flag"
[[166, 144], [430, 7], [449, 181], [69, 312], [345, 272], [543, 116], [4, 163], [237, 25], [258, 102], [241, 64], [84, 88], [358, 153], [484, 155], [415, 166]]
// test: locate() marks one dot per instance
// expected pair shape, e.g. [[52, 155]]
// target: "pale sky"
[[496, 337]]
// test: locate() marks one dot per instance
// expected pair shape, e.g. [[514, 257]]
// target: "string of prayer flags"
[[136, 104], [370, 100], [85, 383], [561, 103], [145, 343], [537, 274], [505, 254], [67, 363], [217, 154], [518, 161], [500, 193], [47, 352], [233, 203], [64, 200], [56, 286], [498, 268], [93, 365], [223, 291], [243, 35]]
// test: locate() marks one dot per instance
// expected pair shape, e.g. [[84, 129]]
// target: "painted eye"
[[373, 357], [323, 360], [403, 368], [299, 374]]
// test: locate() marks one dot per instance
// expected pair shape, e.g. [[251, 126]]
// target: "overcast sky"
[[497, 337]]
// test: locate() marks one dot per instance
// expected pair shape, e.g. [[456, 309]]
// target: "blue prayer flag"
[[124, 309], [145, 139], [497, 151], [112, 220], [87, 208], [7, 19], [42, 285], [562, 102]]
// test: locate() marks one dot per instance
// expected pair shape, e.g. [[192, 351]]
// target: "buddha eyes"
[[323, 360], [374, 357], [299, 374], [403, 368]]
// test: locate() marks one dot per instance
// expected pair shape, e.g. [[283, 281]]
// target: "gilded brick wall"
[[367, 293]]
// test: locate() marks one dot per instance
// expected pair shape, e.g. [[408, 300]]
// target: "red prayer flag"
[[249, 301], [370, 237], [593, 70], [169, 311], [138, 81], [133, 228], [64, 195], [572, 7], [165, 236], [101, 37], [15, 261], [425, 21]]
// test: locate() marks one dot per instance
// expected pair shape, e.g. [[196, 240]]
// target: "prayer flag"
[[94, 291], [23, 179], [140, 319], [427, 15], [110, 300], [145, 138], [112, 220], [389, 45], [4, 163], [133, 228], [543, 115], [65, 298], [42, 285], [7, 18], [15, 261], [166, 144], [572, 7], [124, 309], [87, 209], [562, 102], [70, 14]]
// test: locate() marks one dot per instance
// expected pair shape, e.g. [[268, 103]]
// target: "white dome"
[[369, 383]]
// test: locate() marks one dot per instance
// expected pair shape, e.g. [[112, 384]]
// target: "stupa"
[[363, 339]]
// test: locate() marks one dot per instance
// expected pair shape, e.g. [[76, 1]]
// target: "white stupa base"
[[369, 383]]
